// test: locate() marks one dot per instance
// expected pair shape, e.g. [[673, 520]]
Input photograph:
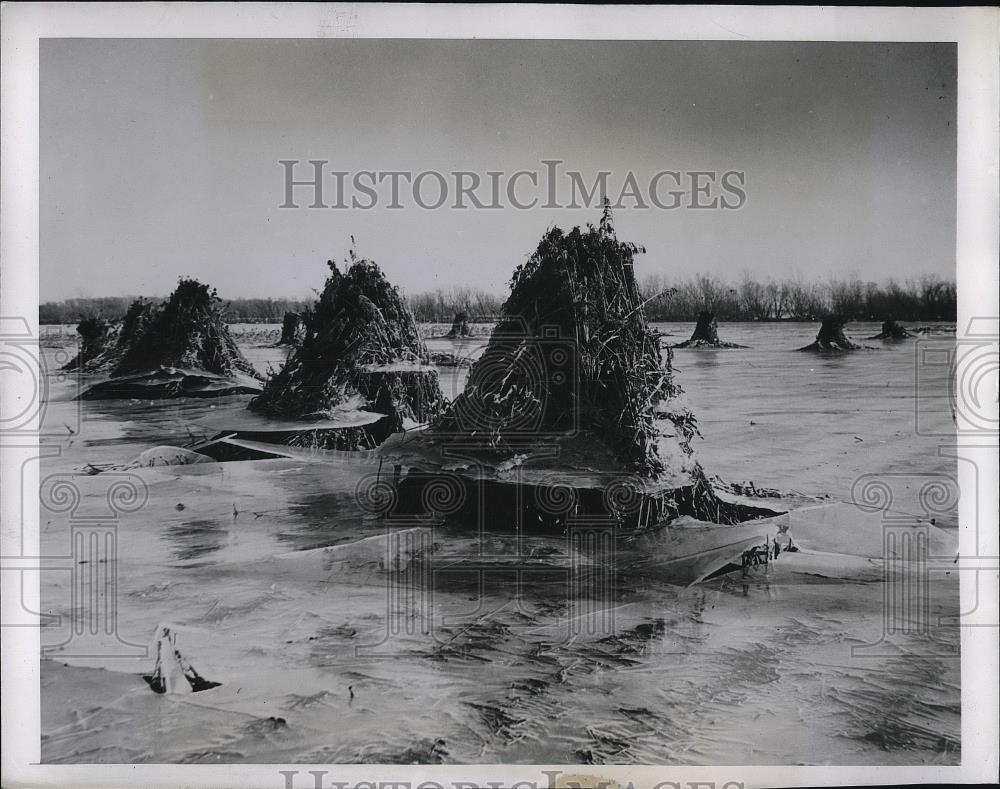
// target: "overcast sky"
[[159, 158]]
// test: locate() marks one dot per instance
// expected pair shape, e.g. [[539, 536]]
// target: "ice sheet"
[[803, 662]]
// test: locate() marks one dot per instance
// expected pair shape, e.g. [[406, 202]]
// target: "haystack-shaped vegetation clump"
[[573, 350], [459, 326], [706, 334], [572, 402], [189, 332], [138, 318], [292, 329], [831, 336], [104, 344], [97, 336], [181, 348], [891, 330], [361, 351]]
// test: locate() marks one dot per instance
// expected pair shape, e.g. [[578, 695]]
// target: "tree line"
[[926, 298], [114, 307]]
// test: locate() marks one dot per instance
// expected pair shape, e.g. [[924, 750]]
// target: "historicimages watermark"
[[317, 183]]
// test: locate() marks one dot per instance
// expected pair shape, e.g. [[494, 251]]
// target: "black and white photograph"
[[433, 399]]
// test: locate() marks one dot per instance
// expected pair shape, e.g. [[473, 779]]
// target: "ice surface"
[[495, 656]]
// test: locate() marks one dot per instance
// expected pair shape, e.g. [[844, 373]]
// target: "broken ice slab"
[[166, 455], [170, 382], [253, 426], [847, 528], [392, 552], [690, 553]]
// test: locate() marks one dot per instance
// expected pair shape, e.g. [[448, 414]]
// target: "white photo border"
[[975, 30]]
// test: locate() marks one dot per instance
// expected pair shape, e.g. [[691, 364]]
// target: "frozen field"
[[489, 668]]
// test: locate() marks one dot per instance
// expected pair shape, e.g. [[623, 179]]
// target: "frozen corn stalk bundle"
[[182, 349], [138, 318], [292, 329], [706, 334], [104, 344], [571, 401], [459, 326], [362, 371], [831, 336], [188, 332], [891, 330], [97, 336]]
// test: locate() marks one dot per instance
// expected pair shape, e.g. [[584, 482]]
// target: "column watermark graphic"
[[91, 563], [912, 559]]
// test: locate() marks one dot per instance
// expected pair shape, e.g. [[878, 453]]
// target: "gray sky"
[[159, 158]]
